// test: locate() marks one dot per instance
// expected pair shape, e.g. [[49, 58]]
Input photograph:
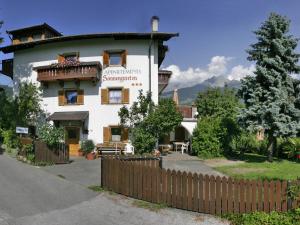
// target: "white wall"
[[90, 50]]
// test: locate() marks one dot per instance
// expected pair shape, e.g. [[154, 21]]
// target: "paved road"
[[32, 196], [80, 171], [108, 209], [27, 190]]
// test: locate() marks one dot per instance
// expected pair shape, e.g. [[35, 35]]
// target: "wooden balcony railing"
[[60, 72], [163, 79]]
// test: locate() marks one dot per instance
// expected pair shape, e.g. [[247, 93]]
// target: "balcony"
[[188, 112], [163, 79], [77, 71]]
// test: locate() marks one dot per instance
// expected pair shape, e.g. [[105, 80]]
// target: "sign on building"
[[22, 130]]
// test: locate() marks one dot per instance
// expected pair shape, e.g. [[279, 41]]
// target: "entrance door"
[[72, 139]]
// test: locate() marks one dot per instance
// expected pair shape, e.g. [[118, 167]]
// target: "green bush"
[[244, 142], [51, 135], [143, 141], [87, 146], [207, 138], [10, 139], [262, 218], [288, 147]]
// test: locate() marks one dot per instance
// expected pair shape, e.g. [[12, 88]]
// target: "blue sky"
[[213, 33]]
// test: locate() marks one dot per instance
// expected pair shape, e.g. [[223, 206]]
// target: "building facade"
[[86, 79]]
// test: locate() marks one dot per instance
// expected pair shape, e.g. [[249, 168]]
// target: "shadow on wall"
[[22, 72]]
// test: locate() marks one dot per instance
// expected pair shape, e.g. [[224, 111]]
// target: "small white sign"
[[22, 130]]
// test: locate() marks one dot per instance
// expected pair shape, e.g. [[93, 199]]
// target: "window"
[[71, 58], [116, 134], [115, 96], [71, 96], [23, 39], [115, 59], [72, 133], [37, 37]]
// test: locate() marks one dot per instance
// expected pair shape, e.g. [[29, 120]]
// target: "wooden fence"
[[146, 180], [58, 155]]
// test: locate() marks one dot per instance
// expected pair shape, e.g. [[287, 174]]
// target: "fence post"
[[101, 161], [160, 162], [289, 199]]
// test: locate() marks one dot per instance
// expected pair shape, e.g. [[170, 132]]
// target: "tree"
[[28, 104], [270, 95], [217, 102], [137, 112], [217, 110], [147, 122]]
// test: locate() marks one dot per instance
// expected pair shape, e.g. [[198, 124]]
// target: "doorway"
[[72, 140]]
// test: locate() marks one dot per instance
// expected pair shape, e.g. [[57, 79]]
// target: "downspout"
[[149, 60]]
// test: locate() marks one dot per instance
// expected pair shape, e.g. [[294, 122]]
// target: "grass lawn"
[[256, 166]]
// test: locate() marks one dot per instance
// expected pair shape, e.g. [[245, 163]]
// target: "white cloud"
[[218, 66], [239, 72]]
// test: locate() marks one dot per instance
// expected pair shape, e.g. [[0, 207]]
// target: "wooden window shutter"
[[124, 58], [125, 96], [106, 134], [61, 97], [104, 96], [125, 134], [105, 59], [60, 58], [80, 97]]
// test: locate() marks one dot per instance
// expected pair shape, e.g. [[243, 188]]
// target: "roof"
[[116, 36], [67, 116], [35, 27], [165, 72]]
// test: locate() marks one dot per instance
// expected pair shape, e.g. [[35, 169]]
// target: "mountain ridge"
[[187, 95]]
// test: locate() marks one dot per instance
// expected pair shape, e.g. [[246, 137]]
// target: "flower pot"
[[90, 156], [80, 153]]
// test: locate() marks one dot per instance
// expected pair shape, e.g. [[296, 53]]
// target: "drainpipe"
[[154, 28]]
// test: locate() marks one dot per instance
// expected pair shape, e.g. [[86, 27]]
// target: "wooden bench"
[[110, 148]]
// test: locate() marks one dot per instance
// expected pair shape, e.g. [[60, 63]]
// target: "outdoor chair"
[[184, 147], [129, 149]]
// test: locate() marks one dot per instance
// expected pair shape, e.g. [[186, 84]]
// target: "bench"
[[110, 148]]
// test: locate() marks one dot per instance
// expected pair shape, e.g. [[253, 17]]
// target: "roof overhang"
[[116, 36], [69, 116]]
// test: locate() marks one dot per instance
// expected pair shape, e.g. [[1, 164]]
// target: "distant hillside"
[[188, 95]]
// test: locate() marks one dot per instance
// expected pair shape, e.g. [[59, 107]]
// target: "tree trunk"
[[272, 142]]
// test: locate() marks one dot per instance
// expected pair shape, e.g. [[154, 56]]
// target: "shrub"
[[244, 142], [273, 218], [10, 139], [289, 147], [143, 141], [207, 138], [50, 134], [87, 146]]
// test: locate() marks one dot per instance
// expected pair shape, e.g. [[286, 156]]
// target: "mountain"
[[188, 95]]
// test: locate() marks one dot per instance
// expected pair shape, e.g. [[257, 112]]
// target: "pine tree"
[[270, 96]]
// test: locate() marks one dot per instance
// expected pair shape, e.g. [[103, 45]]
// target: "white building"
[[87, 78]]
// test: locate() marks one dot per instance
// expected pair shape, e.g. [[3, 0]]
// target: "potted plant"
[[87, 147]]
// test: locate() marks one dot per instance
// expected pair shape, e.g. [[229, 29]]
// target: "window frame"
[[107, 55], [66, 99], [115, 89], [62, 57], [111, 135]]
